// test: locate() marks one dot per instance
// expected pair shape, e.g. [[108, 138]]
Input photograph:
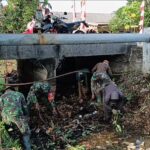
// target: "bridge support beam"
[[146, 53], [146, 58]]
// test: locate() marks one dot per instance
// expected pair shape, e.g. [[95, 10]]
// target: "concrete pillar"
[[146, 58], [33, 70], [146, 54]]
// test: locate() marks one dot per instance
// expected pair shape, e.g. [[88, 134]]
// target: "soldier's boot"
[[26, 142]]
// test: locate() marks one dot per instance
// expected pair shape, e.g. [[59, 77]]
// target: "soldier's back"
[[101, 67], [11, 103]]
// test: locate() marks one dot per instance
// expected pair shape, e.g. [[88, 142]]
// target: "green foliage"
[[116, 118], [147, 17], [147, 2], [2, 81], [130, 1], [126, 17], [6, 140], [78, 147], [17, 15]]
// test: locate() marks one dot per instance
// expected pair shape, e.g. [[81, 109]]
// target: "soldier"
[[82, 78], [14, 110], [101, 73], [12, 75], [113, 99], [37, 91]]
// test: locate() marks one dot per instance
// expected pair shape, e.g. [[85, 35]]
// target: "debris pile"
[[80, 126], [136, 87], [73, 122]]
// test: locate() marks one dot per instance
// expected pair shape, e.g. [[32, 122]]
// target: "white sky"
[[4, 3], [92, 6]]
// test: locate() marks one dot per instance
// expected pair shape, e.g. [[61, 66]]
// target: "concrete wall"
[[35, 70], [146, 58], [132, 60], [136, 58], [146, 54]]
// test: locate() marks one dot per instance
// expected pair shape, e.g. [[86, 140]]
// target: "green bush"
[[16, 16], [78, 147], [2, 81]]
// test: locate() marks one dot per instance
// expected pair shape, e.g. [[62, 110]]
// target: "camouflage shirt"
[[13, 105], [36, 90]]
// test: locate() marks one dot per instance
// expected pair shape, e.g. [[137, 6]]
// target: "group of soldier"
[[16, 109], [105, 90]]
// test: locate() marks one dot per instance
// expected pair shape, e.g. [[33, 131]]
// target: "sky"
[[92, 6], [4, 2]]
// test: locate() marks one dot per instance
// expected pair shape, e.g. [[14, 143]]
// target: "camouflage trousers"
[[98, 82], [21, 123]]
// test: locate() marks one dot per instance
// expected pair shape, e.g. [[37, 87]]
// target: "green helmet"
[[41, 87], [46, 87]]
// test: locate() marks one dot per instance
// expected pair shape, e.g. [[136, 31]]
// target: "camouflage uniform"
[[98, 82], [100, 78], [113, 99], [14, 110], [36, 90]]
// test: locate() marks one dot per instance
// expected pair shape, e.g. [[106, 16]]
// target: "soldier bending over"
[[113, 99], [39, 90], [14, 110], [101, 73]]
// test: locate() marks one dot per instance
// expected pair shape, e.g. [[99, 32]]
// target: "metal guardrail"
[[69, 39]]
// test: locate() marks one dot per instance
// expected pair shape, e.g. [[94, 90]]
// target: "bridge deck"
[[24, 46], [57, 51]]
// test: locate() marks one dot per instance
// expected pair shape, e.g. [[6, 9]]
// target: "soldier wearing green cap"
[[37, 91], [14, 110]]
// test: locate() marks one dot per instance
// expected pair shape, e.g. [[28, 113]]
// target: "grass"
[[6, 142]]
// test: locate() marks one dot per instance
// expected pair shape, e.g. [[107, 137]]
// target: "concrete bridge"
[[43, 46], [51, 48]]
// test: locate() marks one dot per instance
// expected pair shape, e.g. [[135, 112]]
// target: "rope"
[[29, 83], [59, 76]]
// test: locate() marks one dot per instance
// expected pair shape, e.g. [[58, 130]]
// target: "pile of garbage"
[[81, 125], [136, 87], [73, 122]]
